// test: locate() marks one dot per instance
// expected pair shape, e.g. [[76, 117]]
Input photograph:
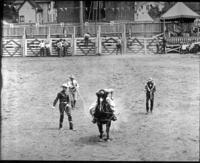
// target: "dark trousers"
[[149, 100], [65, 50], [119, 49], [67, 110], [86, 41], [42, 52], [60, 52], [47, 52]]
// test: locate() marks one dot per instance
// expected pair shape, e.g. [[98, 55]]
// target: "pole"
[[164, 27], [81, 17], [96, 12]]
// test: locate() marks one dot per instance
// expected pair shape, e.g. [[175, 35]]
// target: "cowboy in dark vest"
[[105, 93], [65, 47], [64, 105], [60, 48], [86, 38], [119, 46], [150, 89]]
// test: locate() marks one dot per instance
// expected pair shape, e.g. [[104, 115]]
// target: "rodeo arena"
[[100, 80]]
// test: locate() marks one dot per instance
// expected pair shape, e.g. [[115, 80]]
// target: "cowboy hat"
[[150, 79], [65, 85]]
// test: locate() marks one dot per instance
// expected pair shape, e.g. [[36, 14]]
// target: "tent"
[[178, 11]]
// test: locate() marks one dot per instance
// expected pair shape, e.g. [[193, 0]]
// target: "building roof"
[[180, 10], [33, 4]]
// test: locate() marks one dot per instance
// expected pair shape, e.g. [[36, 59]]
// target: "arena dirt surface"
[[30, 126]]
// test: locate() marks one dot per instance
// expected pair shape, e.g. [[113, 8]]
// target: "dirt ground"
[[30, 126]]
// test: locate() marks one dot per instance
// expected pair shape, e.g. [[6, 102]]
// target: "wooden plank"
[[11, 47]]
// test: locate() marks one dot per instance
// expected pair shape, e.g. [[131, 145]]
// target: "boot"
[[70, 125], [60, 126]]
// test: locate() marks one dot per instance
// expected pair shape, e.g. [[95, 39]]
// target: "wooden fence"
[[18, 41], [136, 29]]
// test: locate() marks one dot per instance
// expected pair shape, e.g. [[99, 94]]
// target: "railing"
[[137, 29]]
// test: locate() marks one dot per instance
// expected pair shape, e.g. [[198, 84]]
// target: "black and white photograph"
[[100, 80]]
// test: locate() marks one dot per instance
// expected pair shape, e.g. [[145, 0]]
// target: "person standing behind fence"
[[65, 47], [164, 44], [86, 38], [42, 48], [47, 47], [60, 48], [150, 89], [119, 46]]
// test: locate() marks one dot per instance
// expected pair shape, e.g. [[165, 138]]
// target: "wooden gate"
[[32, 47], [83, 49], [12, 47], [135, 45], [142, 45], [54, 42], [108, 45]]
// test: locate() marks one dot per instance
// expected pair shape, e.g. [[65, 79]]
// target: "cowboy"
[[73, 87], [60, 48], [109, 100], [42, 48], [65, 47], [119, 46], [47, 47], [64, 105], [86, 38], [150, 89]]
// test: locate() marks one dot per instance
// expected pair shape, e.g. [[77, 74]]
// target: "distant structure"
[[40, 11]]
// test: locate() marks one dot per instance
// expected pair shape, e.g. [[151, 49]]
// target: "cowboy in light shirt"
[[74, 86], [42, 47]]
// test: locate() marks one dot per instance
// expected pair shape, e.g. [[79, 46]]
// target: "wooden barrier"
[[12, 47], [83, 49], [54, 42], [108, 45], [143, 45]]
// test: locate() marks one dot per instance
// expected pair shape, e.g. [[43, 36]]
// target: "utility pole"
[[81, 17]]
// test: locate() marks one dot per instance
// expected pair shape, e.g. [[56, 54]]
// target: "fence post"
[[98, 45], [124, 38], [49, 38], [24, 43], [145, 46], [74, 40]]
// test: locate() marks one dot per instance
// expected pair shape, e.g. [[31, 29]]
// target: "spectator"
[[42, 48], [119, 46], [65, 47], [60, 48], [86, 38], [47, 47]]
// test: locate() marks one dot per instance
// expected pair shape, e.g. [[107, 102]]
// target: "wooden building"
[[102, 11], [30, 12]]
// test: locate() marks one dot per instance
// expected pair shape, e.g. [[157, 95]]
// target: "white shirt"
[[42, 44], [73, 83], [184, 46]]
